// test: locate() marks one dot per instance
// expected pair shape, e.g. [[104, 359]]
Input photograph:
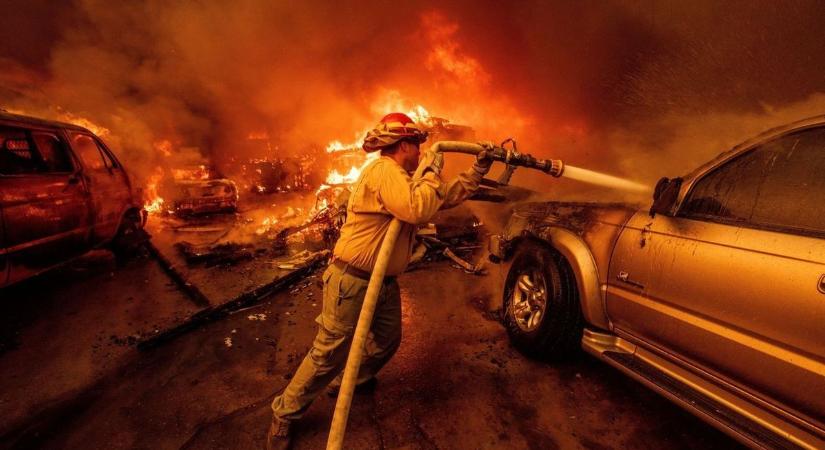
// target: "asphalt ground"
[[73, 378]]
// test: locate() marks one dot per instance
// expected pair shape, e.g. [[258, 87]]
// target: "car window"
[[17, 152], [108, 159], [53, 152], [86, 148], [777, 185]]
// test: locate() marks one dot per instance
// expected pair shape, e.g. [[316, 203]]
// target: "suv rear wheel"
[[542, 313]]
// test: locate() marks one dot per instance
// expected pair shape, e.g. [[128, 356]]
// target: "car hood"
[[579, 217]]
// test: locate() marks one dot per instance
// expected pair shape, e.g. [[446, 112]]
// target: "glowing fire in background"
[[154, 202], [334, 177]]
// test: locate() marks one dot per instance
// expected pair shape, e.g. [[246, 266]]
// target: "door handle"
[[821, 285], [625, 278]]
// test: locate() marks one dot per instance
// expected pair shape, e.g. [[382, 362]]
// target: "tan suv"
[[62, 192], [715, 297]]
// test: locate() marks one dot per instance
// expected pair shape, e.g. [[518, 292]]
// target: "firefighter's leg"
[[384, 336], [343, 296]]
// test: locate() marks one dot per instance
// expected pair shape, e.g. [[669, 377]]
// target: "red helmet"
[[392, 128]]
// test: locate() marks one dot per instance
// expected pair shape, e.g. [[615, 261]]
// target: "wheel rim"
[[529, 300]]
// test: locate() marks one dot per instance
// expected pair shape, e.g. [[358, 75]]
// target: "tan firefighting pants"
[[343, 296]]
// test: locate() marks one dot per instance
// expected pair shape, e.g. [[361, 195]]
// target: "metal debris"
[[302, 259], [228, 253], [475, 269]]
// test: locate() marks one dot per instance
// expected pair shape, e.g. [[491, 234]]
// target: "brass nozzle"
[[556, 167]]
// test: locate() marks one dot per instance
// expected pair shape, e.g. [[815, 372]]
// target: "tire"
[[130, 237], [550, 329]]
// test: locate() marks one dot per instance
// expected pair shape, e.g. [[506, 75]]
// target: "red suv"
[[62, 193]]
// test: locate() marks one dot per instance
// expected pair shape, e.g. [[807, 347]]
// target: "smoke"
[[637, 89]]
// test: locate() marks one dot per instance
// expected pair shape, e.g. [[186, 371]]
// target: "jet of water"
[[601, 179]]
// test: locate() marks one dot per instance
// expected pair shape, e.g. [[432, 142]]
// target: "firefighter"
[[383, 191]]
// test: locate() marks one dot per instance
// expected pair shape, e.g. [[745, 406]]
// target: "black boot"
[[279, 436]]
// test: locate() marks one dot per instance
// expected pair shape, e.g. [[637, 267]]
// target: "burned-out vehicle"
[[62, 193], [200, 189], [268, 176], [714, 297]]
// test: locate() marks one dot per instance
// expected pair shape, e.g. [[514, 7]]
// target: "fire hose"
[[509, 156]]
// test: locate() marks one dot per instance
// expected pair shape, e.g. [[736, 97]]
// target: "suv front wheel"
[[541, 306]]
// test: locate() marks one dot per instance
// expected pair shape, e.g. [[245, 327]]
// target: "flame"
[[164, 146], [266, 225], [258, 135], [337, 146], [199, 172], [334, 177], [65, 116], [154, 202], [420, 115], [85, 123]]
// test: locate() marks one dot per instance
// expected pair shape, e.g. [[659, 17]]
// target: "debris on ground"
[[475, 269], [457, 241], [302, 259], [227, 253], [227, 341], [260, 316]]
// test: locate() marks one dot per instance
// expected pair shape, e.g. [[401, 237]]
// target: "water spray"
[[509, 156], [508, 153]]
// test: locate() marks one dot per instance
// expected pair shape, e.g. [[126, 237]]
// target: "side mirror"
[[665, 195]]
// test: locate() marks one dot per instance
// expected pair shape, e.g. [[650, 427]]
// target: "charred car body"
[[715, 298], [62, 192], [200, 189]]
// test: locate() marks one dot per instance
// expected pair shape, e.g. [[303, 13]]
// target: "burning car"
[[279, 175], [200, 189], [714, 298], [62, 193]]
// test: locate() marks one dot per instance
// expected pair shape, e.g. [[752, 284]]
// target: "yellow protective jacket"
[[385, 190]]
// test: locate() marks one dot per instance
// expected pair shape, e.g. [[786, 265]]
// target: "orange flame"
[[154, 202]]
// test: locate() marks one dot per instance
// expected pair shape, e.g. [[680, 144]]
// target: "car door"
[[734, 283], [107, 183], [45, 205]]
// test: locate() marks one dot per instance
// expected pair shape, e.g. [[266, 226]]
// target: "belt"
[[345, 267]]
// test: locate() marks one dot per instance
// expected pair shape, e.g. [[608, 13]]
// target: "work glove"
[[433, 161], [484, 158]]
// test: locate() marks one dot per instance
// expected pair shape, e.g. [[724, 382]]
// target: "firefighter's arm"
[[460, 188], [411, 201], [466, 183]]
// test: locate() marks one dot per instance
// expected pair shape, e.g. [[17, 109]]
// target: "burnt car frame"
[[714, 297], [62, 193], [199, 189]]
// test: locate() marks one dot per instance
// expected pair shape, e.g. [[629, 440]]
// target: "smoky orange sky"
[[636, 88]]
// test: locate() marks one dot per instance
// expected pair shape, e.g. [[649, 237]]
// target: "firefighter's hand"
[[484, 158], [433, 161]]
